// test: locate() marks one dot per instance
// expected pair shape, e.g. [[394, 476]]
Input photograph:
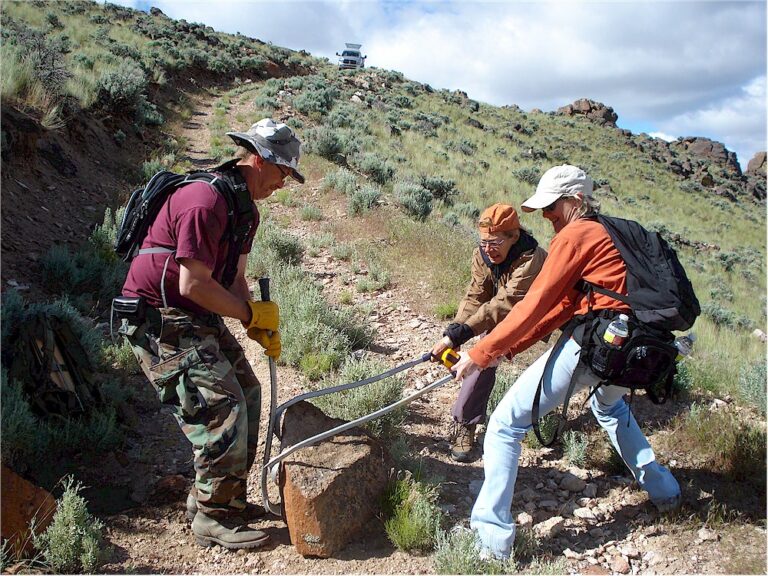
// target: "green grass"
[[412, 516], [728, 445]]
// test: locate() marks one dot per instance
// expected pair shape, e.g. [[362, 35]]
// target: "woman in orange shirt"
[[581, 248]]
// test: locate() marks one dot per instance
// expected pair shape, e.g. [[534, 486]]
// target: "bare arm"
[[240, 285], [197, 284]]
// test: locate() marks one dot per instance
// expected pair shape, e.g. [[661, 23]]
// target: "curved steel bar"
[[348, 425], [341, 387]]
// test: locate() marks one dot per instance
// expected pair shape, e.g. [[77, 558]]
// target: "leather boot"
[[227, 532], [251, 512], [464, 442]]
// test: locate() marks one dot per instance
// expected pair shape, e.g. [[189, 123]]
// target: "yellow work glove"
[[271, 344], [264, 315]]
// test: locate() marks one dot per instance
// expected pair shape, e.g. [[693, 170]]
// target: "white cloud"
[[738, 121], [680, 67], [663, 136]]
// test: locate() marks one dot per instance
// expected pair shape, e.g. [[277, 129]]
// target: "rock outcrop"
[[708, 150], [330, 490], [756, 166], [595, 111]]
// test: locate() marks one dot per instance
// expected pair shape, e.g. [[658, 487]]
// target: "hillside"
[[397, 172]]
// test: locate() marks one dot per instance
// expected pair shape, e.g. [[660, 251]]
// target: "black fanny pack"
[[645, 361]]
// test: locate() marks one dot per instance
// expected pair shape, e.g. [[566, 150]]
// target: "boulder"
[[595, 111], [709, 150], [21, 503], [756, 166], [330, 490]]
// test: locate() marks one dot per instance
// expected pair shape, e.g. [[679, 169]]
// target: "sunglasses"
[[491, 243]]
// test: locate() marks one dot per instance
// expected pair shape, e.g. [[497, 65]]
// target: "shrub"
[[72, 543], [311, 212], [341, 252], [308, 324], [440, 188], [341, 180], [347, 116], [467, 209], [415, 200], [414, 518], [752, 385], [363, 199], [89, 275], [324, 142], [20, 428], [379, 170], [529, 175], [504, 380], [728, 445], [357, 402], [575, 447], [316, 100], [273, 247], [147, 113], [725, 317], [121, 357], [377, 279], [266, 102], [123, 86], [547, 425], [41, 53]]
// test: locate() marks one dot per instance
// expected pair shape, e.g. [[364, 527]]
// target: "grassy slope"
[[488, 164]]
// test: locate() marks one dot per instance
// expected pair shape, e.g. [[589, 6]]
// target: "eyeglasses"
[[492, 243]]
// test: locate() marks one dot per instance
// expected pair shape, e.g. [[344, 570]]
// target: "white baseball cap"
[[558, 182]]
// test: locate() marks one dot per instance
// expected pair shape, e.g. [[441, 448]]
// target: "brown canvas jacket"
[[484, 304]]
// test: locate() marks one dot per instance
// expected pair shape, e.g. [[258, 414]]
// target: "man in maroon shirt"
[[195, 364]]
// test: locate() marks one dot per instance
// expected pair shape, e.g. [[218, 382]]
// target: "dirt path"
[[607, 525]]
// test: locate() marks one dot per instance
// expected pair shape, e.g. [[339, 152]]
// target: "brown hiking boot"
[[251, 512], [227, 532], [463, 443]]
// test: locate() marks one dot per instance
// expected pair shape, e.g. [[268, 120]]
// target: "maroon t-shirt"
[[192, 221]]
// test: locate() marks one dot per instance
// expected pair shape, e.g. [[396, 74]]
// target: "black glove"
[[459, 333]]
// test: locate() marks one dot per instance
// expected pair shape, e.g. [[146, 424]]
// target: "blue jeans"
[[491, 514]]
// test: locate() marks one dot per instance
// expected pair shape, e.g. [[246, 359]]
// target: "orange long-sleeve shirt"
[[582, 249]]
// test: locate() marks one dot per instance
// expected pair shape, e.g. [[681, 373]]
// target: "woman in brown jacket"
[[503, 268]]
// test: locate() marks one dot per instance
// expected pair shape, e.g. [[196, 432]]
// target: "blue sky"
[[670, 69]]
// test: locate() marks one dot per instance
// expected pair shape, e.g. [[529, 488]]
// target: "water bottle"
[[617, 332], [684, 344]]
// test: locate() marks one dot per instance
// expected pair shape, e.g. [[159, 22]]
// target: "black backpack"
[[661, 298], [145, 203]]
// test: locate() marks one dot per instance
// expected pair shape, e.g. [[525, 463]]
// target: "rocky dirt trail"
[[600, 523]]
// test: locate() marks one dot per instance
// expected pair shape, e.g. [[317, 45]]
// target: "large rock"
[[330, 490], [709, 150], [756, 166], [21, 503], [596, 111]]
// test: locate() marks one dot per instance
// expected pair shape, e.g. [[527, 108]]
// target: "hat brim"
[[250, 143], [540, 200]]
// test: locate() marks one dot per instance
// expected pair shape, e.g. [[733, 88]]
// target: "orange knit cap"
[[499, 218]]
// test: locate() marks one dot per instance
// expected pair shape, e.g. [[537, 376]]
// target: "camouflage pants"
[[196, 365]]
